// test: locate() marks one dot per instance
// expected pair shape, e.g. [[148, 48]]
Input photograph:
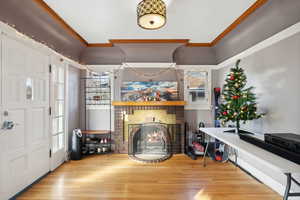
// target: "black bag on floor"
[[76, 144]]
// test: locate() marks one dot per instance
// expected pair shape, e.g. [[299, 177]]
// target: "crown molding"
[[149, 41], [238, 21], [57, 18], [100, 45], [199, 45], [126, 41]]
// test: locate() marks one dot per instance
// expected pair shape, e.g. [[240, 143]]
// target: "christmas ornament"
[[235, 97]]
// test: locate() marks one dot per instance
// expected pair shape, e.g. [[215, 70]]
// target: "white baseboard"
[[265, 179]]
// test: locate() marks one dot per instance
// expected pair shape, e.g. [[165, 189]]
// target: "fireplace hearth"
[[150, 142]]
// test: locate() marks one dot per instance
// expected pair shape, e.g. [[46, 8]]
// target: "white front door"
[[58, 130], [24, 154]]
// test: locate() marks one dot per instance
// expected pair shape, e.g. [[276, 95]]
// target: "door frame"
[[54, 59]]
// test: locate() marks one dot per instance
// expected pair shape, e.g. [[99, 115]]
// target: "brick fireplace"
[[127, 117]]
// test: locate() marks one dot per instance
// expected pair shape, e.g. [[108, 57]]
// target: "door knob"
[[8, 125]]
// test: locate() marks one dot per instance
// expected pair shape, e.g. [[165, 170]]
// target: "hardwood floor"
[[116, 177]]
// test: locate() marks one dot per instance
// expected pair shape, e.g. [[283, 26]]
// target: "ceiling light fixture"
[[152, 14]]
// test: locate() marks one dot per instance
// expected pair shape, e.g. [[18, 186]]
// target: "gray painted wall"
[[274, 72], [29, 18], [73, 101], [102, 56], [194, 56], [176, 53], [271, 18], [149, 52]]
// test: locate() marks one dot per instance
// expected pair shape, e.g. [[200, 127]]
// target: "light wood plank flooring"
[[115, 177]]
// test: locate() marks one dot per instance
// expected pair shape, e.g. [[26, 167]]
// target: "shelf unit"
[[96, 142], [97, 97]]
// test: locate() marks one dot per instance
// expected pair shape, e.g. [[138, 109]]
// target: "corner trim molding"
[[100, 45], [55, 16], [149, 41], [125, 41], [199, 45], [292, 30], [149, 65], [239, 20]]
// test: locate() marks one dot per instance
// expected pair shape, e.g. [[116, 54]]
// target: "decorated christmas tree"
[[239, 103]]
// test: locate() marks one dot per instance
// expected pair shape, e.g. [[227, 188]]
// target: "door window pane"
[[54, 126], [61, 141], [61, 75], [59, 108], [58, 125], [59, 91], [54, 143]]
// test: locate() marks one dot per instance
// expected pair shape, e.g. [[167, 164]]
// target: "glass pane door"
[[58, 114]]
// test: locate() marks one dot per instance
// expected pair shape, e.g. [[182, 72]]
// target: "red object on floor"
[[218, 158], [198, 147]]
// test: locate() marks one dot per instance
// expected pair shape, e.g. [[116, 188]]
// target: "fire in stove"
[[154, 137]]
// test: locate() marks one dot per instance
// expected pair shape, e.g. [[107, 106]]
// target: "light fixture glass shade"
[[152, 14]]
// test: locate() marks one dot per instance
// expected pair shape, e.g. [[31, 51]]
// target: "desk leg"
[[235, 157], [289, 181], [204, 156], [288, 186]]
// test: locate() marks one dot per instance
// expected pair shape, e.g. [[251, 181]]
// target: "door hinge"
[[50, 69], [50, 153], [50, 111]]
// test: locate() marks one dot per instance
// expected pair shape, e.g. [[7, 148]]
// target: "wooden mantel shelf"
[[96, 132], [148, 103]]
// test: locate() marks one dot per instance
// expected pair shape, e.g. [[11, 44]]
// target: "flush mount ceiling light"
[[152, 14]]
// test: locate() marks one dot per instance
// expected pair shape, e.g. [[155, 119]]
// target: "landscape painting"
[[149, 91]]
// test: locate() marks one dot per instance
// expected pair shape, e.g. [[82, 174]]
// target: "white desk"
[[273, 161]]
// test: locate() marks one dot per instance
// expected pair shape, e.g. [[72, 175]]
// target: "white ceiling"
[[97, 21]]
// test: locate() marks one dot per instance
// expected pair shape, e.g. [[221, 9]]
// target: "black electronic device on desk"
[[288, 141], [285, 145]]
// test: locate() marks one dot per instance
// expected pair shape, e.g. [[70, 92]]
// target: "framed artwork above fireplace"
[[149, 91]]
